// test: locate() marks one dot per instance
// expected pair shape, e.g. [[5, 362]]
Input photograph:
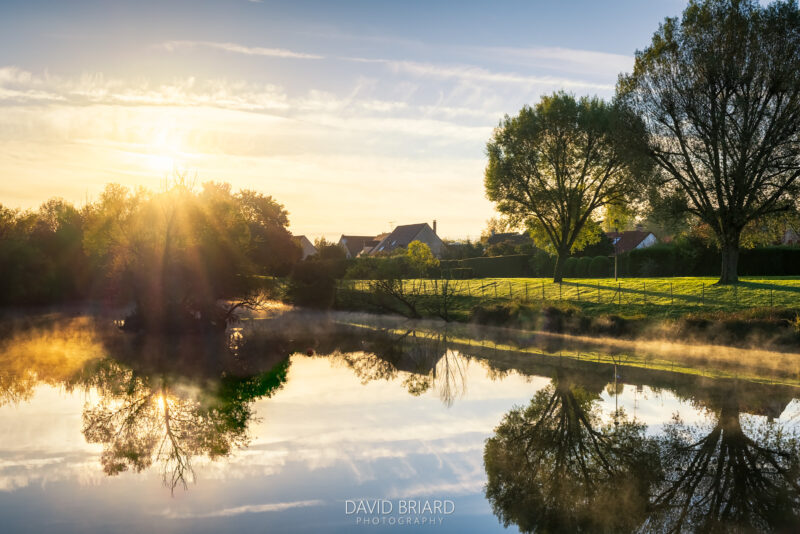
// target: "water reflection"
[[154, 401], [731, 475], [560, 463], [427, 361], [143, 420], [555, 466]]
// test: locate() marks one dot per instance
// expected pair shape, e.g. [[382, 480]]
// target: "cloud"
[[171, 46], [478, 74], [561, 59], [249, 509], [19, 87]]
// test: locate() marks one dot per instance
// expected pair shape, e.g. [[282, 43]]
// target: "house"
[[308, 248], [790, 237], [631, 239], [405, 234], [353, 245]]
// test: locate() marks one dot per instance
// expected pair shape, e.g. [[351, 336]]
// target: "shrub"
[[542, 264], [582, 267], [570, 267]]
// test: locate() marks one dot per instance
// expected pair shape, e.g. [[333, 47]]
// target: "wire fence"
[[650, 292]]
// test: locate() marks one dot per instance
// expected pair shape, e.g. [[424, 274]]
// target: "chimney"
[[434, 226], [639, 227]]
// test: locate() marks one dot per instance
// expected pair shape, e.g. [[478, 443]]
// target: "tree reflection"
[[728, 478], [555, 467], [426, 360], [145, 420]]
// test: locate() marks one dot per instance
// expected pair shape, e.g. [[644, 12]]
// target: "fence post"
[[526, 291], [671, 296], [495, 290], [559, 291], [542, 291], [510, 291], [469, 292], [598, 293]]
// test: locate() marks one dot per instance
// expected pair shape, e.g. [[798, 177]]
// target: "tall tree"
[[719, 92], [554, 166]]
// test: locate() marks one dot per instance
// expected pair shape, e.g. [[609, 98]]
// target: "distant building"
[[403, 235], [630, 240], [790, 237], [308, 247], [354, 245]]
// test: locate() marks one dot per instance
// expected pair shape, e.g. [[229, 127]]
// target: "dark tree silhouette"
[[719, 92]]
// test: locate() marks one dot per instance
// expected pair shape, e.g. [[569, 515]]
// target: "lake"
[[301, 422]]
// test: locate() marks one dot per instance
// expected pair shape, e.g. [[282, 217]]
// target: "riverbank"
[[757, 313]]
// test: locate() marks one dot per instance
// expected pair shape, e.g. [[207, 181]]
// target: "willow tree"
[[554, 167], [719, 92]]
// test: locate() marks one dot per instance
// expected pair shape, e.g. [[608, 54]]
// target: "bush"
[[601, 267], [542, 263], [570, 267], [582, 267]]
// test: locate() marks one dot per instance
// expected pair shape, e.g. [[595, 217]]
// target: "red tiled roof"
[[627, 241]]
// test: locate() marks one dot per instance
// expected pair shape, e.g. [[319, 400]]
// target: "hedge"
[[663, 259], [516, 266], [601, 267]]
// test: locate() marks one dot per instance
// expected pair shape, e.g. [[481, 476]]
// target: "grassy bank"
[[757, 312], [630, 297]]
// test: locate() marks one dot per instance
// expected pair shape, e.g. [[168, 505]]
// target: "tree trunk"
[[558, 273], [730, 261]]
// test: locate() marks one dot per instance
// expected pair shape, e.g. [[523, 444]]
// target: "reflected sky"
[[406, 416]]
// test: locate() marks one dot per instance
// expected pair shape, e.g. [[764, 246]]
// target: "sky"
[[356, 116]]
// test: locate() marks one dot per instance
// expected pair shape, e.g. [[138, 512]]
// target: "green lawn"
[[630, 296]]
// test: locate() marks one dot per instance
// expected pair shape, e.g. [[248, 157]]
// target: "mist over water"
[[278, 423]]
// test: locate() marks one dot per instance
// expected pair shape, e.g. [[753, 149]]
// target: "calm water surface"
[[299, 423]]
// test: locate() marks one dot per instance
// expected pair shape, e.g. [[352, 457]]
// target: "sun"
[[163, 154]]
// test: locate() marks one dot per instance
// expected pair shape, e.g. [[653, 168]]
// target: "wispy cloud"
[[249, 509], [560, 59], [20, 87], [171, 46], [477, 74]]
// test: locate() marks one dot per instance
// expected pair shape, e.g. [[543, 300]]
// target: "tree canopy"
[[554, 167], [719, 93]]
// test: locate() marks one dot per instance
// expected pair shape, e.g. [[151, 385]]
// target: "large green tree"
[[719, 92], [555, 166]]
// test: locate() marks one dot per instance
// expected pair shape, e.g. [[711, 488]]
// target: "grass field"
[[630, 296]]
